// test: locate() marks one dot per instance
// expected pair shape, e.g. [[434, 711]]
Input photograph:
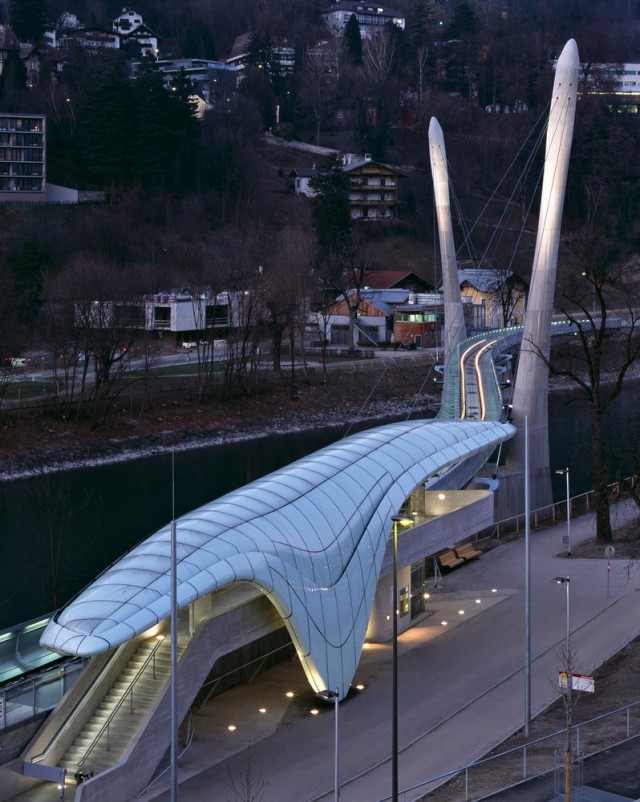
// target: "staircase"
[[109, 732]]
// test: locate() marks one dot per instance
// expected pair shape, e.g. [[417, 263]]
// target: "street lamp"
[[565, 472], [403, 520], [335, 695], [564, 580]]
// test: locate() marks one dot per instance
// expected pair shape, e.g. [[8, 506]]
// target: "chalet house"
[[491, 294], [92, 39], [406, 314], [301, 178], [373, 186], [374, 323], [395, 280], [373, 189], [384, 316], [133, 32], [371, 17], [67, 21], [32, 60]]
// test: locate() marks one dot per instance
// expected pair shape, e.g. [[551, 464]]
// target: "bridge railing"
[[30, 697], [578, 505]]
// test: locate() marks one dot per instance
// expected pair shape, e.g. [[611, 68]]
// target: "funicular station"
[[313, 550]]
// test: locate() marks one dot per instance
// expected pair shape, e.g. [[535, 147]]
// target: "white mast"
[[454, 328], [530, 390]]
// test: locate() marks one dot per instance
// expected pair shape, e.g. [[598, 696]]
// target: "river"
[[62, 530]]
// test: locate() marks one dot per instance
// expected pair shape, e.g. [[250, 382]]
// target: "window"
[[217, 315], [162, 315]]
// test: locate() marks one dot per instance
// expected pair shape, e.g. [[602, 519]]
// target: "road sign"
[[579, 682]]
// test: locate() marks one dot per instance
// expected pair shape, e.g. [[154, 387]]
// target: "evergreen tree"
[[27, 277], [106, 127], [330, 208], [13, 82], [28, 19], [353, 40]]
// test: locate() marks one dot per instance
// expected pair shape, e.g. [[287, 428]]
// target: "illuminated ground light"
[[366, 645], [444, 623], [289, 694], [314, 711], [494, 590], [460, 612], [262, 710], [478, 601], [426, 595], [231, 727], [360, 687]]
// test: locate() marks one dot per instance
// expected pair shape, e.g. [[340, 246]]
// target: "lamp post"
[[565, 472], [564, 580], [335, 695], [403, 520]]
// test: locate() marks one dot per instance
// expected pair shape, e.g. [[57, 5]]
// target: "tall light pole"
[[403, 520], [335, 695], [564, 580], [174, 636], [565, 472]]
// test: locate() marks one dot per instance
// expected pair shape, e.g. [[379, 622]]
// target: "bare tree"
[[105, 315], [601, 304], [249, 785], [50, 554], [509, 292], [318, 78], [378, 55]]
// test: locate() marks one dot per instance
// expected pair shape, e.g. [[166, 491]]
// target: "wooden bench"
[[467, 552], [448, 559]]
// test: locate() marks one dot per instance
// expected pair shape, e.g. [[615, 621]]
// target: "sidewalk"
[[461, 684]]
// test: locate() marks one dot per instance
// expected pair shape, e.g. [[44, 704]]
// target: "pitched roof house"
[[371, 17], [373, 186]]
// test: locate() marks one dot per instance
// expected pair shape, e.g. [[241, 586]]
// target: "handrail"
[[441, 778], [116, 709], [514, 520], [66, 723]]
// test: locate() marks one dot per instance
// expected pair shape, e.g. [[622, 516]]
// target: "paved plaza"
[[461, 684]]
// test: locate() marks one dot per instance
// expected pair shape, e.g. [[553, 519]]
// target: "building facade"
[[22, 158], [371, 17]]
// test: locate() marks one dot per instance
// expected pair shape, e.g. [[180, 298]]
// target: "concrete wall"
[[450, 521], [67, 720], [215, 637]]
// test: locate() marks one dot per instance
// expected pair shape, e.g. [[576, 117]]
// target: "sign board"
[[579, 682]]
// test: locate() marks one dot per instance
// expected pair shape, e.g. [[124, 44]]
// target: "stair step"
[[149, 679]]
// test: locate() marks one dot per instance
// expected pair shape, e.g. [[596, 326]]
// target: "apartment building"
[[22, 158]]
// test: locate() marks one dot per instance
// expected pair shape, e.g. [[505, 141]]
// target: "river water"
[[61, 530]]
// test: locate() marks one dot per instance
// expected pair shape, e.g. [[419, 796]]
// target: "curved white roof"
[[311, 536]]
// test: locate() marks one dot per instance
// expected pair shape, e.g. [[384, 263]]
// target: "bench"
[[467, 552], [448, 559]]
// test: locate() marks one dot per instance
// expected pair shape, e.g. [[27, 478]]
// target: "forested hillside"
[[205, 201]]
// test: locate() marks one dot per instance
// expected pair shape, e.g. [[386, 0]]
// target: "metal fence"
[[533, 758], [29, 697], [551, 514]]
